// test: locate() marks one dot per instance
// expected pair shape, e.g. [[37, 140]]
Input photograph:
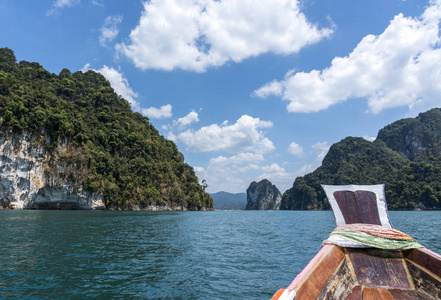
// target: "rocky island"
[[263, 195], [68, 141]]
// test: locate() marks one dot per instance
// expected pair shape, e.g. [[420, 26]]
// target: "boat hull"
[[349, 273]]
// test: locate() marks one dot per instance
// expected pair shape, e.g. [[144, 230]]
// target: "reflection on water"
[[183, 255]]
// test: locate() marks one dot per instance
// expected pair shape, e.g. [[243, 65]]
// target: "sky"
[[248, 90]]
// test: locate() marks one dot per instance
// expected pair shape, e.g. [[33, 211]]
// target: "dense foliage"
[[406, 157], [116, 152]]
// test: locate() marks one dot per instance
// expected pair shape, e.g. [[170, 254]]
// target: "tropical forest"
[[113, 151]]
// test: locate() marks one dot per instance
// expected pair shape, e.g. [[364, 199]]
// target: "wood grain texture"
[[425, 259], [410, 295], [424, 281], [376, 294], [356, 293], [380, 269], [316, 279], [339, 285], [358, 207]]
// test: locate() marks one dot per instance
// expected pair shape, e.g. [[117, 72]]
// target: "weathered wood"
[[380, 269], [358, 207], [356, 293], [339, 285], [369, 274], [425, 281], [425, 259], [376, 294], [410, 295], [312, 284]]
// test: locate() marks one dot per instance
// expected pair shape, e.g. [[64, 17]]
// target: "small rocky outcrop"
[[263, 195]]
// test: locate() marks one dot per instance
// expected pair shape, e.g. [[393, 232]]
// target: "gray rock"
[[263, 196], [24, 183]]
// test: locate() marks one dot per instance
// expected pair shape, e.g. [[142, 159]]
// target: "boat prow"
[[365, 258]]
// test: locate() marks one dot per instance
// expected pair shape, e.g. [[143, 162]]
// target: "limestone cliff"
[[263, 196], [33, 177], [69, 141]]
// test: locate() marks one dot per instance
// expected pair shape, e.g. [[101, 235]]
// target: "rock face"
[[415, 138], [263, 196], [30, 176]]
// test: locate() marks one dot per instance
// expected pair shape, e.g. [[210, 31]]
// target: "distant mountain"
[[406, 157], [224, 200]]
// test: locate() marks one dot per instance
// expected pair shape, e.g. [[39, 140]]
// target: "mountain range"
[[226, 201]]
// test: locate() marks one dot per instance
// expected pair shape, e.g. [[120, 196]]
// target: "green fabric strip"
[[375, 241]]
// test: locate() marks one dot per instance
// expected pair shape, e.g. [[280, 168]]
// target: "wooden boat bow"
[[355, 273]]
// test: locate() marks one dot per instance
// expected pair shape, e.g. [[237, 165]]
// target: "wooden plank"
[[426, 259], [380, 269], [410, 295], [358, 207], [340, 284], [376, 294], [356, 293], [317, 273], [424, 280]]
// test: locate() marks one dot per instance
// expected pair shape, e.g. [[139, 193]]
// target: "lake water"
[[168, 255]]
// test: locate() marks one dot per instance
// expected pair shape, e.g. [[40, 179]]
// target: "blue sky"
[[246, 89]]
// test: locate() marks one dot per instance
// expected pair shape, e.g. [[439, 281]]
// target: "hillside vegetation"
[[116, 152], [406, 157]]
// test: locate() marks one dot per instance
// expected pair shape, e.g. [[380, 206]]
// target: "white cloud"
[[321, 146], [172, 137], [121, 86], [243, 136], [164, 111], [183, 122], [98, 3], [119, 83], [229, 173], [400, 67], [320, 149], [369, 138], [278, 176], [244, 139], [197, 34], [240, 158], [235, 173], [110, 29], [295, 149], [59, 4]]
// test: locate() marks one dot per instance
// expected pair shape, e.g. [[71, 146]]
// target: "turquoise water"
[[168, 255]]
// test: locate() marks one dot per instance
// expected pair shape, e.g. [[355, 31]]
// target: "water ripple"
[[167, 255]]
